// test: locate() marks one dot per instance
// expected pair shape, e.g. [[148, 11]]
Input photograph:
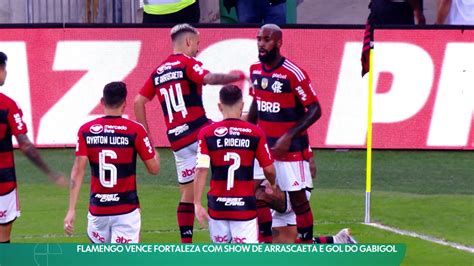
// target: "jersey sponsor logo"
[[18, 121], [220, 131], [198, 69], [264, 83], [188, 172], [279, 76], [220, 239], [147, 142], [113, 128], [96, 129], [122, 240], [239, 240], [295, 184], [237, 130], [270, 107], [301, 93], [257, 72], [107, 197], [178, 130], [231, 201], [255, 82], [166, 66], [3, 214], [276, 87], [97, 236]]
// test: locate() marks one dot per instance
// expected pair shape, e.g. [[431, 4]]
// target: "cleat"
[[344, 237]]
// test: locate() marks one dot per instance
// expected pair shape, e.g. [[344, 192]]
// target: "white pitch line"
[[424, 237]]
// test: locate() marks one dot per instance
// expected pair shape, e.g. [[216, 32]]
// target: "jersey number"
[[174, 101], [232, 168], [103, 166]]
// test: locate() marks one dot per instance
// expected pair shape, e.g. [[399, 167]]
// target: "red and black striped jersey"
[[282, 95], [177, 82], [112, 143], [11, 124], [232, 146]]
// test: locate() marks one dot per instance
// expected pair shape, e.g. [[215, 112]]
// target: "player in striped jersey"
[[12, 124], [177, 82], [111, 144], [285, 106], [230, 147]]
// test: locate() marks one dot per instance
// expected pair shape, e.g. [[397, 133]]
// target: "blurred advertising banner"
[[423, 80]]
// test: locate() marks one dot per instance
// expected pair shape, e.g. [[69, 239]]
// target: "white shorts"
[[293, 176], [9, 207], [121, 229], [185, 159], [287, 218], [257, 171], [238, 232]]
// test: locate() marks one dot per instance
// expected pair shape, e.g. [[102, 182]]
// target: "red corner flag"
[[368, 44]]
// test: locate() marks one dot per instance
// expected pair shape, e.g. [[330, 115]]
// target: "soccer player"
[[11, 123], [110, 144], [178, 82], [285, 105], [230, 147]]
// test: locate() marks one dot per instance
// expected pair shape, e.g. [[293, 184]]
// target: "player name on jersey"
[[233, 142], [108, 140], [168, 77]]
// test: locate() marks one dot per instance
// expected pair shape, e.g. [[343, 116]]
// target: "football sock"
[[264, 218], [186, 221], [304, 221]]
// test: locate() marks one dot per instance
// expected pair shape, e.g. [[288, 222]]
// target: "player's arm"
[[203, 162], [443, 9], [418, 11], [270, 174], [219, 78], [252, 115], [140, 110], [33, 155], [77, 176], [153, 165]]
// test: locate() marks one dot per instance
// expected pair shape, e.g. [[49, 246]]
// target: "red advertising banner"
[[423, 95]]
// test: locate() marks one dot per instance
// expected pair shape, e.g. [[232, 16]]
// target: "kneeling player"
[[111, 144], [230, 147]]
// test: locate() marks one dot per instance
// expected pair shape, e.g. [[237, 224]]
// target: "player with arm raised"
[[229, 148], [111, 144], [12, 124], [177, 82]]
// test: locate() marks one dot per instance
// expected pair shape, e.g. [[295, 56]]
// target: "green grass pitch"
[[427, 192]]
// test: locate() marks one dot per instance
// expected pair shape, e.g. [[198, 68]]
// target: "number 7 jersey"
[[111, 144], [177, 82]]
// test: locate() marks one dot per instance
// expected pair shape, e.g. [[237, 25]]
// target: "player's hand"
[[201, 215], [282, 146], [69, 222], [269, 189], [58, 178]]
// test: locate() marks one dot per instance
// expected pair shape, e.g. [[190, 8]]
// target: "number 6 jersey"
[[177, 82], [232, 146], [111, 144]]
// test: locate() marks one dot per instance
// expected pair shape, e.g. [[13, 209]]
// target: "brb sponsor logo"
[[269, 107], [3, 214], [122, 240], [221, 239], [188, 172], [98, 237]]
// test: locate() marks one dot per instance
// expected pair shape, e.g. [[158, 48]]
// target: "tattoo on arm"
[[32, 153]]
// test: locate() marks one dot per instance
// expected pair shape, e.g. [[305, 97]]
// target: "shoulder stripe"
[[294, 69]]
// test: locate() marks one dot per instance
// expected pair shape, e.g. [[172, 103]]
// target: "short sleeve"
[[143, 145], [81, 147], [263, 153], [15, 120], [195, 72], [148, 89]]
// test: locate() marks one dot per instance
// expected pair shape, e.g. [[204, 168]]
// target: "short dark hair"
[[3, 59], [114, 94], [180, 29], [230, 95]]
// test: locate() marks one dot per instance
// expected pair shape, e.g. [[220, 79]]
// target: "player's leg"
[[125, 228], [284, 223], [244, 232], [185, 166], [9, 211], [264, 215], [219, 231], [98, 229]]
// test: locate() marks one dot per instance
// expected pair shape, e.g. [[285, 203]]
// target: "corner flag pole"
[[368, 177]]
